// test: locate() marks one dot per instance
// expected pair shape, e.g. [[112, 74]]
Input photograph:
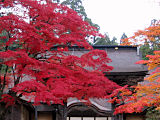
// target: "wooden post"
[[36, 113], [62, 112]]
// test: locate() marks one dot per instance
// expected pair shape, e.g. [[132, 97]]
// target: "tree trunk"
[[4, 111], [62, 112]]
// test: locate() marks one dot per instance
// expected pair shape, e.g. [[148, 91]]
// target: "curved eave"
[[80, 109]]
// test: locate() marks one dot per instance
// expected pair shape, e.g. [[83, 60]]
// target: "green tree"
[[150, 46], [106, 40], [114, 41], [124, 36], [152, 114], [77, 6]]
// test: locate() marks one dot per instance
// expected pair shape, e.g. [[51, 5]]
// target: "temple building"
[[125, 72]]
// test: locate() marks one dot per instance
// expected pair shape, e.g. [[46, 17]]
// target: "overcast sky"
[[118, 16]]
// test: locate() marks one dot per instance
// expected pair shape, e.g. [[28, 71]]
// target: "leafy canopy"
[[35, 58]]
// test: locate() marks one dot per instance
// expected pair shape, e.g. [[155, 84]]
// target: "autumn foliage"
[[150, 35], [145, 94], [34, 60]]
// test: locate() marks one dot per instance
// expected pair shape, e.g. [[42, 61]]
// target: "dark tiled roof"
[[123, 57]]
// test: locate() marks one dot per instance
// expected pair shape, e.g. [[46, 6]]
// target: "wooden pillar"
[[36, 113], [62, 112]]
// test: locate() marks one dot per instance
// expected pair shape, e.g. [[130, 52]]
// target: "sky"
[[119, 16]]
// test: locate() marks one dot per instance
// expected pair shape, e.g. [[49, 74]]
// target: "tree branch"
[[4, 79]]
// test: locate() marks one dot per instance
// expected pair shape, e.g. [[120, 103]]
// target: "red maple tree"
[[34, 61]]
